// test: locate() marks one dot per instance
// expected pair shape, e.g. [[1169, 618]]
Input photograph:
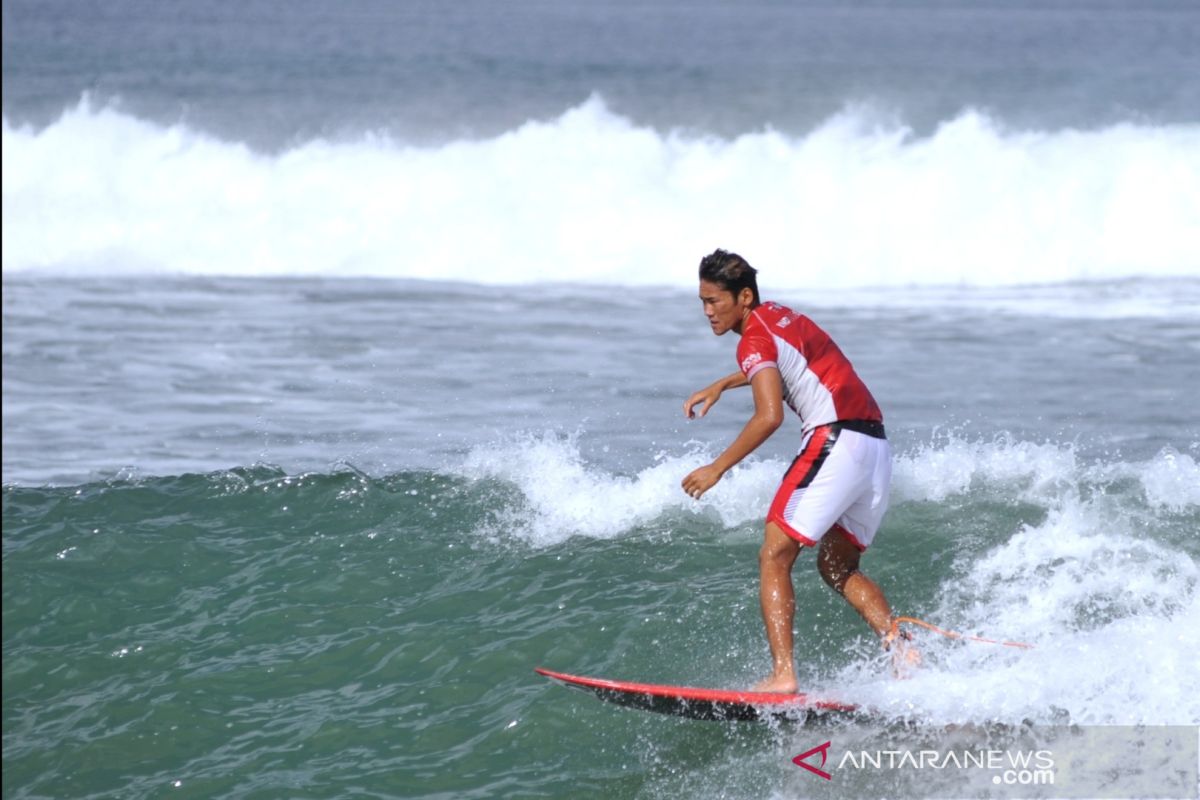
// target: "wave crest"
[[590, 197]]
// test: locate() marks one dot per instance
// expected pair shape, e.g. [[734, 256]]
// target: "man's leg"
[[778, 600], [837, 561]]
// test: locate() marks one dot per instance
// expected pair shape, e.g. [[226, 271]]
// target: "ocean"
[[345, 348]]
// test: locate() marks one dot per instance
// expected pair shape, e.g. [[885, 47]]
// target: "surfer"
[[835, 492]]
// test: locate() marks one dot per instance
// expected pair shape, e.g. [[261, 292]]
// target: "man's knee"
[[778, 549], [835, 573], [837, 561]]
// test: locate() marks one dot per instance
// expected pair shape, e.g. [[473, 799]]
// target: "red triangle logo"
[[823, 749]]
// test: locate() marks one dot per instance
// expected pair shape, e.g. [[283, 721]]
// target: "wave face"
[[592, 198], [299, 626]]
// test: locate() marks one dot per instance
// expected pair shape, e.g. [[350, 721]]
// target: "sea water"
[[345, 351]]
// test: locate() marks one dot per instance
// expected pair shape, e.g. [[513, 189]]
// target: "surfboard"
[[707, 704]]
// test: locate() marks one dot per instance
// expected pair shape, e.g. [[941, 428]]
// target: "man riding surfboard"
[[834, 495]]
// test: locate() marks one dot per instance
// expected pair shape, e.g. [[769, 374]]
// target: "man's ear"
[[746, 297]]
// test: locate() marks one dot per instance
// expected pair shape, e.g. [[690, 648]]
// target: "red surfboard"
[[711, 704]]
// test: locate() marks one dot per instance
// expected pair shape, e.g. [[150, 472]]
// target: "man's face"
[[723, 310]]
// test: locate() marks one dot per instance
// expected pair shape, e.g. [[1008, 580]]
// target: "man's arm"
[[768, 416], [709, 395]]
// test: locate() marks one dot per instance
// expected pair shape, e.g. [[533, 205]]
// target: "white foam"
[[1114, 620], [1110, 603], [1113, 613], [1172, 481], [936, 471], [564, 497], [591, 197]]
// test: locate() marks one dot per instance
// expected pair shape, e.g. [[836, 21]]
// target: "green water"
[[253, 634]]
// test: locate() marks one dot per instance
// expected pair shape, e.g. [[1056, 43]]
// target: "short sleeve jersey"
[[819, 383]]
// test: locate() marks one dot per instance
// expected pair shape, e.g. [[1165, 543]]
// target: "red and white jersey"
[[819, 383]]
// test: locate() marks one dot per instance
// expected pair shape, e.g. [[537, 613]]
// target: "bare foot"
[[777, 683], [905, 656]]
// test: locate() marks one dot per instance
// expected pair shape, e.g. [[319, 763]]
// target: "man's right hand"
[[705, 398]]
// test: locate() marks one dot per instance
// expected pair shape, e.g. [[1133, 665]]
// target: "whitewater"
[[591, 197]]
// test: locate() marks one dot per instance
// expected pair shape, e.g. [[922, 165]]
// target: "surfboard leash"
[[954, 634]]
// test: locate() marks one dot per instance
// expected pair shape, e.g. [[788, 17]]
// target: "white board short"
[[841, 478]]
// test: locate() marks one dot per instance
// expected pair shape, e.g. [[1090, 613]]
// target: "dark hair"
[[729, 271]]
